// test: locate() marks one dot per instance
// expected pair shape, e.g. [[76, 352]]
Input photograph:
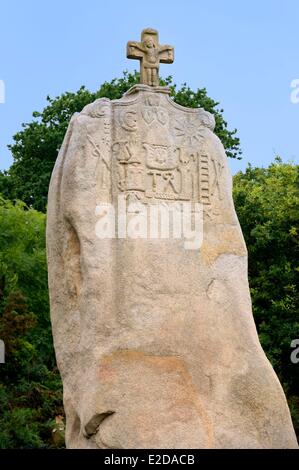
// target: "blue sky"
[[246, 53]]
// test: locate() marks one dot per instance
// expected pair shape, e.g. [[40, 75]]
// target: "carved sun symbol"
[[189, 132]]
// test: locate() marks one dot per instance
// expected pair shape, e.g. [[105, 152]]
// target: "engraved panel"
[[204, 180], [216, 188], [101, 151], [127, 151], [99, 145], [188, 132], [128, 120], [129, 165], [171, 164], [161, 157], [152, 111]]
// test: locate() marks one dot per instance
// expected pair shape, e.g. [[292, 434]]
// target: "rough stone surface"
[[156, 343]]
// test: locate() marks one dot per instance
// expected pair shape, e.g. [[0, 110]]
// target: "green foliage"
[[36, 146], [18, 427], [267, 201], [30, 389]]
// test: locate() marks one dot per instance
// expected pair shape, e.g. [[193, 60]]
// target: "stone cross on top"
[[150, 53]]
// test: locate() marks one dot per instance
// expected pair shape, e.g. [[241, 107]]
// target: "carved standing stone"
[[156, 344]]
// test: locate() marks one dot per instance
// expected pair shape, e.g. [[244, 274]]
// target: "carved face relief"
[[149, 43]]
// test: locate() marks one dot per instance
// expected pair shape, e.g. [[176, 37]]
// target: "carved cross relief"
[[150, 53]]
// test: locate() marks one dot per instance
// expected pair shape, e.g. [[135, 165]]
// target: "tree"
[[267, 201], [30, 389], [36, 146]]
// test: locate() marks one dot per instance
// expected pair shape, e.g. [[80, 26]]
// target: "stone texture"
[[156, 344]]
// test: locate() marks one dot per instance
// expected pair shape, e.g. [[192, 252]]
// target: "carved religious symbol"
[[150, 53]]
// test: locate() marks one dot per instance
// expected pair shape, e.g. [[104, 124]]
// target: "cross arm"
[[166, 54], [135, 50]]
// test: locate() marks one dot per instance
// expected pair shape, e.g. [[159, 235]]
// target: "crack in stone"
[[92, 427]]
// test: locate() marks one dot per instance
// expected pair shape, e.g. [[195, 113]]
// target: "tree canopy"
[[36, 146], [30, 388], [267, 201]]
